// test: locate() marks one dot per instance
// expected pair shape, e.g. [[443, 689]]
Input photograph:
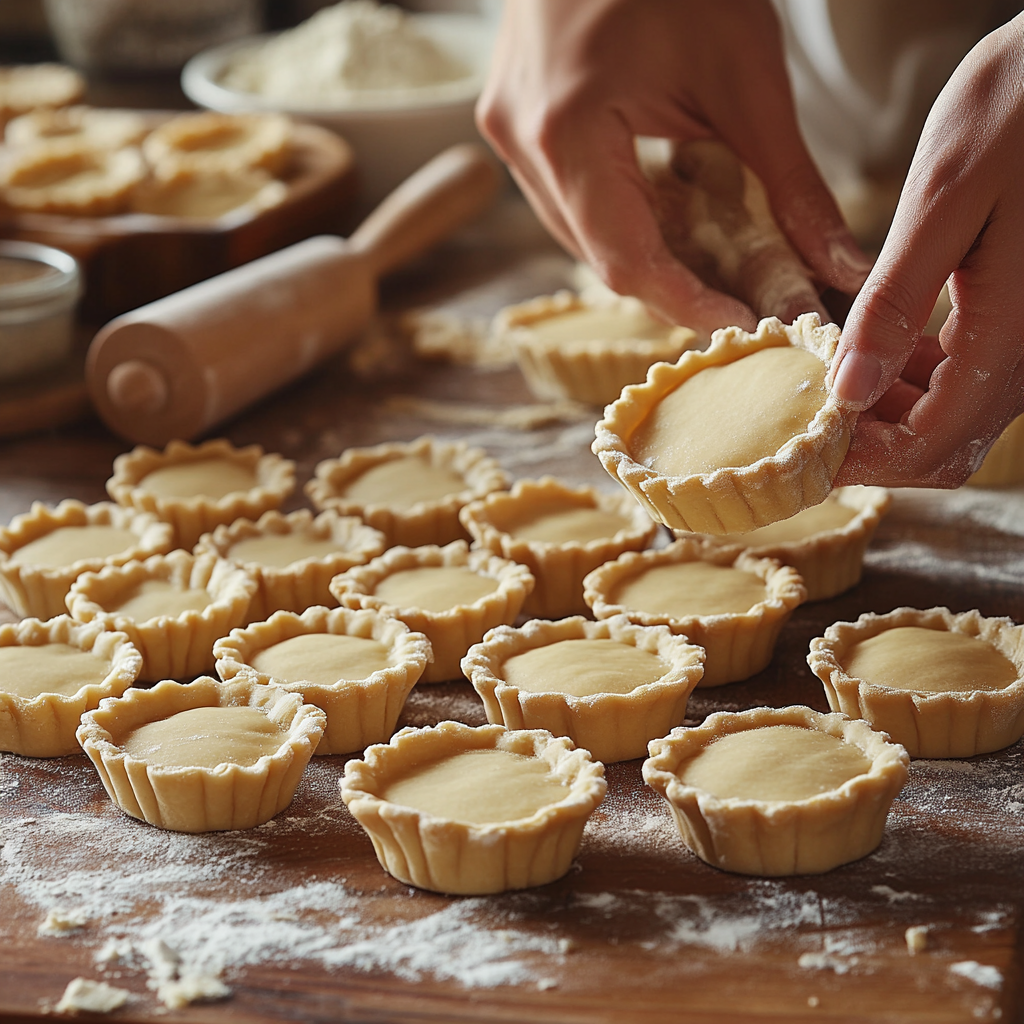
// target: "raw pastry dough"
[[171, 606], [94, 126], [71, 178], [293, 557], [196, 488], [561, 533], [734, 438], [824, 543], [789, 792], [609, 686], [43, 551], [228, 143], [510, 813], [149, 781], [734, 606], [569, 348], [488, 591], [206, 195], [943, 685], [411, 492], [357, 666], [50, 673], [24, 87]]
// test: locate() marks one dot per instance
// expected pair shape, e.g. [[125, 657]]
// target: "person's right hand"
[[574, 82]]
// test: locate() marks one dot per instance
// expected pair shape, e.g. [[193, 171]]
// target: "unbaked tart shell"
[[738, 645], [452, 857], [559, 568], [731, 500], [928, 724], [172, 646], [197, 799], [589, 370], [301, 584], [41, 591], [359, 711], [425, 522], [832, 561], [780, 837], [452, 632], [44, 725], [193, 516], [612, 726]]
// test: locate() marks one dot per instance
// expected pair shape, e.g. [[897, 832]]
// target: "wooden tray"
[[131, 259]]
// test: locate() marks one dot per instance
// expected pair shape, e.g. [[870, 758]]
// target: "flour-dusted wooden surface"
[[301, 922]]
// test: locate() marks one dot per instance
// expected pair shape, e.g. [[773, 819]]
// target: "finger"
[[897, 401], [547, 211], [926, 356], [606, 204]]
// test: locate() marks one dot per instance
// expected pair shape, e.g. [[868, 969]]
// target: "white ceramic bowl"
[[392, 134]]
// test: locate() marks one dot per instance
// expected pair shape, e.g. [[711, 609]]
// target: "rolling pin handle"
[[137, 387]]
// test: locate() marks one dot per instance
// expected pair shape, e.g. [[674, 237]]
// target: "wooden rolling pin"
[[178, 366]]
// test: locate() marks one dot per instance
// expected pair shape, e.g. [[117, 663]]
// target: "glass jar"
[[39, 287]]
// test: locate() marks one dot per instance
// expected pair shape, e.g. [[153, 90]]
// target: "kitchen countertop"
[[302, 923]]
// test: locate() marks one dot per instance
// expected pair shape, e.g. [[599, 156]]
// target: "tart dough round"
[[359, 667], [824, 543], [790, 791], [734, 438], [293, 557], [569, 348], [24, 87], [509, 813], [610, 686], [1004, 463], [43, 551], [943, 685], [196, 488], [195, 194], [226, 143], [75, 179], [146, 746], [412, 492], [561, 533], [173, 607], [734, 606], [490, 592], [50, 674], [93, 126]]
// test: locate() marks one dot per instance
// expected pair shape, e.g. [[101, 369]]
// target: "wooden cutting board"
[[131, 259]]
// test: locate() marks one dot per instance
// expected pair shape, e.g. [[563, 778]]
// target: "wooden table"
[[306, 926]]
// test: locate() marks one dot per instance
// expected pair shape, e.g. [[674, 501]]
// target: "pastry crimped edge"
[[453, 857], [1004, 463], [593, 371], [103, 193], [196, 799], [951, 724], [56, 85], [305, 583], [44, 725], [359, 711], [172, 647], [41, 591], [737, 644], [731, 500], [193, 516], [780, 837], [558, 568], [264, 146], [156, 196], [612, 726], [97, 126], [832, 561], [426, 522], [452, 632]]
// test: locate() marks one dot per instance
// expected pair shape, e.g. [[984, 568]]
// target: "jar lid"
[[64, 280]]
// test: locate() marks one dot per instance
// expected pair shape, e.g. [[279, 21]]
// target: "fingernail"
[[857, 377]]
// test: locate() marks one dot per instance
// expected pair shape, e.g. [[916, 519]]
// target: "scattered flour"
[[980, 974]]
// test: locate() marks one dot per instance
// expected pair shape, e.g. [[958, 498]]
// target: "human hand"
[[574, 82], [935, 406]]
